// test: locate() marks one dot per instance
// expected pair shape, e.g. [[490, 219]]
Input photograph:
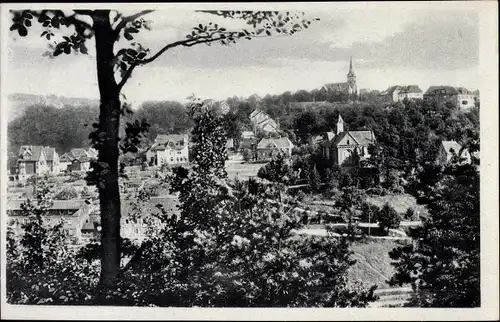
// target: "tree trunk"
[[109, 122]]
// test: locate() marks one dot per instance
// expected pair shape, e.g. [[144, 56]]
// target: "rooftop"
[[282, 142], [75, 204]]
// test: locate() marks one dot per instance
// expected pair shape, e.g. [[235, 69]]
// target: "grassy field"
[[373, 264], [242, 170], [400, 202]]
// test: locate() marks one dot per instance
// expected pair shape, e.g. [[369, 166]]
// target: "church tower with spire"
[[351, 80], [340, 125]]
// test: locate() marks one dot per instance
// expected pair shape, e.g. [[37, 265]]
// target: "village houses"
[[347, 148], [135, 222], [264, 122], [72, 212], [169, 149]]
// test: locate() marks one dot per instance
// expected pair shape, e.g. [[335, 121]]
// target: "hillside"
[[373, 264], [18, 102]]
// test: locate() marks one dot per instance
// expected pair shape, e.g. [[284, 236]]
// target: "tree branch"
[[126, 20], [84, 12], [185, 43]]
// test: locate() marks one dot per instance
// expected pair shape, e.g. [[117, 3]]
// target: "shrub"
[[67, 193], [301, 195], [387, 218], [409, 214]]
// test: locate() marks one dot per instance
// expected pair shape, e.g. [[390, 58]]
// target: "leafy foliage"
[[442, 264], [41, 267], [277, 170], [388, 217], [67, 193], [233, 246]]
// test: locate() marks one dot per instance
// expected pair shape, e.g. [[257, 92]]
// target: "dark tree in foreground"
[[114, 68], [443, 263]]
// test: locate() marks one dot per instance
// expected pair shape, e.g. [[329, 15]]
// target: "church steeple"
[[351, 70], [340, 125], [351, 80]]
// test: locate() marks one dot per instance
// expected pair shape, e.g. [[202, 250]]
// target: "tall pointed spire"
[[351, 70], [340, 125]]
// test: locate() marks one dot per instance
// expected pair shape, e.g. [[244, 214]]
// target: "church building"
[[348, 88], [347, 148]]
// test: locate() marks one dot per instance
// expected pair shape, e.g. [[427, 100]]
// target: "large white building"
[[169, 149], [399, 93], [459, 96]]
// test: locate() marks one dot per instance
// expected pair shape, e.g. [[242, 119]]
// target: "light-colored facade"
[[247, 135], [169, 149], [448, 149], [64, 162], [136, 224], [264, 122], [36, 160], [72, 212], [459, 96], [270, 147], [399, 93]]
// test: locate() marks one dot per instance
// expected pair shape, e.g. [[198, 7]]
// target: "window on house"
[[347, 142], [465, 102], [171, 159], [126, 221]]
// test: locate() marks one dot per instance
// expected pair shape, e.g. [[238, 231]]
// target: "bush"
[[301, 195], [377, 191], [67, 193], [409, 214], [388, 218]]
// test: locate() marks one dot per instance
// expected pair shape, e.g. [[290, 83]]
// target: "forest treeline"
[[408, 130]]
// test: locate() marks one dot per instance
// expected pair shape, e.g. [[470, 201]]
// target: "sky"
[[423, 44]]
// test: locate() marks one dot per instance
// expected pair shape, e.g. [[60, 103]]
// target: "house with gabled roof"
[[36, 160], [65, 161], [79, 159], [262, 121], [169, 149], [52, 160], [269, 147], [347, 148]]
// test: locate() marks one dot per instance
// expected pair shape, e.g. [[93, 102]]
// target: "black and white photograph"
[[291, 157]]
